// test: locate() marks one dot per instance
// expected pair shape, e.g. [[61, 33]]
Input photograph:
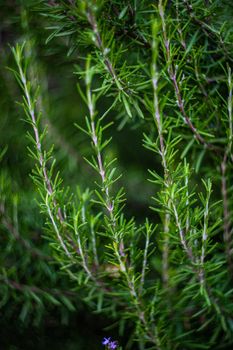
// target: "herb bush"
[[128, 208]]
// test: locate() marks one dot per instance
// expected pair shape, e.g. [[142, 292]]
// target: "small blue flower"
[[112, 345], [106, 341]]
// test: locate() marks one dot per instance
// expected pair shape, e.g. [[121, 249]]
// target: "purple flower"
[[112, 345], [106, 341]]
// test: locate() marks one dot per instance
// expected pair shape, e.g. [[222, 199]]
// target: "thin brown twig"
[[7, 223], [31, 288], [227, 236], [158, 122], [104, 50], [226, 214], [173, 76]]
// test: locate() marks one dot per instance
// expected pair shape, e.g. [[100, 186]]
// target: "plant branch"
[[162, 150], [172, 71], [30, 108]]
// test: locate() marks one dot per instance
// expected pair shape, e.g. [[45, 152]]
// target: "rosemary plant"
[[161, 71]]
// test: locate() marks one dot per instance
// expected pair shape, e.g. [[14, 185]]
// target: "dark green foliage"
[[116, 93]]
